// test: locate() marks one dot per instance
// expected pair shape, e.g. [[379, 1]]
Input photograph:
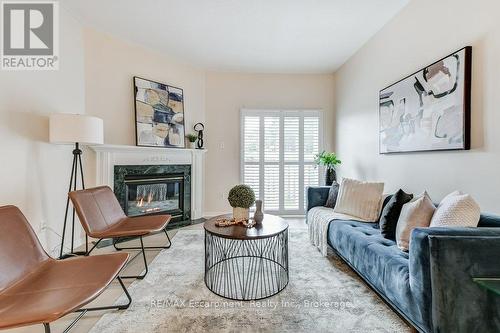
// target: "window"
[[277, 156]]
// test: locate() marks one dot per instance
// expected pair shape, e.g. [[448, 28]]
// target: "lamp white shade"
[[73, 128]]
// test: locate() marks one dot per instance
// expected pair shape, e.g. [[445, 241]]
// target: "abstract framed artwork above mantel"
[[428, 110], [159, 114]]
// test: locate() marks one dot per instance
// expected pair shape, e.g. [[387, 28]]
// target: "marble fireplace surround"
[[107, 156]]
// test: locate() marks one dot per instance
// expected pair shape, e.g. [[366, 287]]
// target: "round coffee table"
[[246, 263]]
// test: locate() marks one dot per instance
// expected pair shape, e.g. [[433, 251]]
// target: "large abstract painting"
[[159, 114], [430, 109]]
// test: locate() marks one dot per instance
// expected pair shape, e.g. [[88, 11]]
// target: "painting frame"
[[465, 97], [161, 114]]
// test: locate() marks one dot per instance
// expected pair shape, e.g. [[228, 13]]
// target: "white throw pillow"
[[362, 200], [415, 214], [457, 210]]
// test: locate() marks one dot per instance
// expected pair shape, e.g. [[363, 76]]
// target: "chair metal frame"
[[142, 249]]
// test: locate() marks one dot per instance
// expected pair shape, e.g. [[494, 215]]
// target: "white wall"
[[227, 93], [424, 31], [110, 65], [35, 174]]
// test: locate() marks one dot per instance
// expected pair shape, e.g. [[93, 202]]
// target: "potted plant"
[[330, 161], [241, 198], [192, 139]]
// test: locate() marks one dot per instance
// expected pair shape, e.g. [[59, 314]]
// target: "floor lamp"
[[78, 130]]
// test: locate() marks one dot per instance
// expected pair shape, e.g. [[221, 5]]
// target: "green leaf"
[[327, 159]]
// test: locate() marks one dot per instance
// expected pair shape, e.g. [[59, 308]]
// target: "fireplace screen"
[[157, 195]]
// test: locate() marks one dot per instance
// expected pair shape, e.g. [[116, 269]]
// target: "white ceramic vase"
[[240, 214]]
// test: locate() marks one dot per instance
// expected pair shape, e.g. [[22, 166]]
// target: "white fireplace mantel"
[[110, 155]]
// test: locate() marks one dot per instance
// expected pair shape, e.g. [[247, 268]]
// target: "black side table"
[[246, 263]]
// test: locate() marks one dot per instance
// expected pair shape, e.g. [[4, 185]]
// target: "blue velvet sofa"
[[431, 286]]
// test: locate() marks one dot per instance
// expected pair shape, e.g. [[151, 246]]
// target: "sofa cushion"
[[379, 261], [456, 210], [360, 199], [332, 195], [416, 213], [391, 212]]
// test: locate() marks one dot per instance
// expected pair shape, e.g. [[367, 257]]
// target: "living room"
[[267, 166]]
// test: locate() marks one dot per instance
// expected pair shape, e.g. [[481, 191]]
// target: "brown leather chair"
[[37, 289], [102, 217]]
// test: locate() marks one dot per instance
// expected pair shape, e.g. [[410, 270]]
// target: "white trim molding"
[[110, 155]]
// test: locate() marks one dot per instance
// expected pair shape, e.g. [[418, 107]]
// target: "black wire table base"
[[246, 269]]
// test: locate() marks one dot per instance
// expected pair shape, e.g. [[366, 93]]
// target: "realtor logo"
[[30, 35]]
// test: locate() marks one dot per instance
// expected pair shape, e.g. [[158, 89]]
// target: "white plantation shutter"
[[291, 144], [251, 153], [271, 139], [272, 187], [251, 178], [311, 138], [277, 158], [252, 138], [291, 188], [271, 162], [311, 148]]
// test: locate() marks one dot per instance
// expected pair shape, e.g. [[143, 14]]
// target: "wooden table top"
[[270, 226]]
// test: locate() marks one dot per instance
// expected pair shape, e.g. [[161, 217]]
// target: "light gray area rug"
[[323, 295]]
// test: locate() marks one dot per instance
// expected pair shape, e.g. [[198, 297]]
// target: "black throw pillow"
[[332, 195], [386, 201], [391, 212]]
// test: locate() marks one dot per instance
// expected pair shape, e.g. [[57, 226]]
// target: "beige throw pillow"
[[457, 210], [362, 200], [414, 214]]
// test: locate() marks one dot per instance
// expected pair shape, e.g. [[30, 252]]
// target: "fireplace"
[[154, 194], [154, 189]]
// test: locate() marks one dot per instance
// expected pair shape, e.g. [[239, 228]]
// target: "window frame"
[[301, 113]]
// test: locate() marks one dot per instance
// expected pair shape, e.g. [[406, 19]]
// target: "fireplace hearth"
[[154, 189]]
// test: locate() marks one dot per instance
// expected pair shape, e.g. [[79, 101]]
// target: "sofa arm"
[[443, 262], [316, 196]]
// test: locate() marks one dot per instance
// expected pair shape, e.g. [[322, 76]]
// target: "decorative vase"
[[330, 176], [240, 213], [258, 216]]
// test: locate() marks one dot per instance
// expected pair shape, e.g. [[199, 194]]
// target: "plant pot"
[[192, 145], [240, 213], [258, 216], [330, 177]]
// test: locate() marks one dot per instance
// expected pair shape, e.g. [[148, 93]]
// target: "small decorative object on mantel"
[[258, 216], [330, 161], [191, 140], [241, 198], [199, 127]]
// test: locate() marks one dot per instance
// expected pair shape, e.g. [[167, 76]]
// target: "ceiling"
[[265, 36]]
